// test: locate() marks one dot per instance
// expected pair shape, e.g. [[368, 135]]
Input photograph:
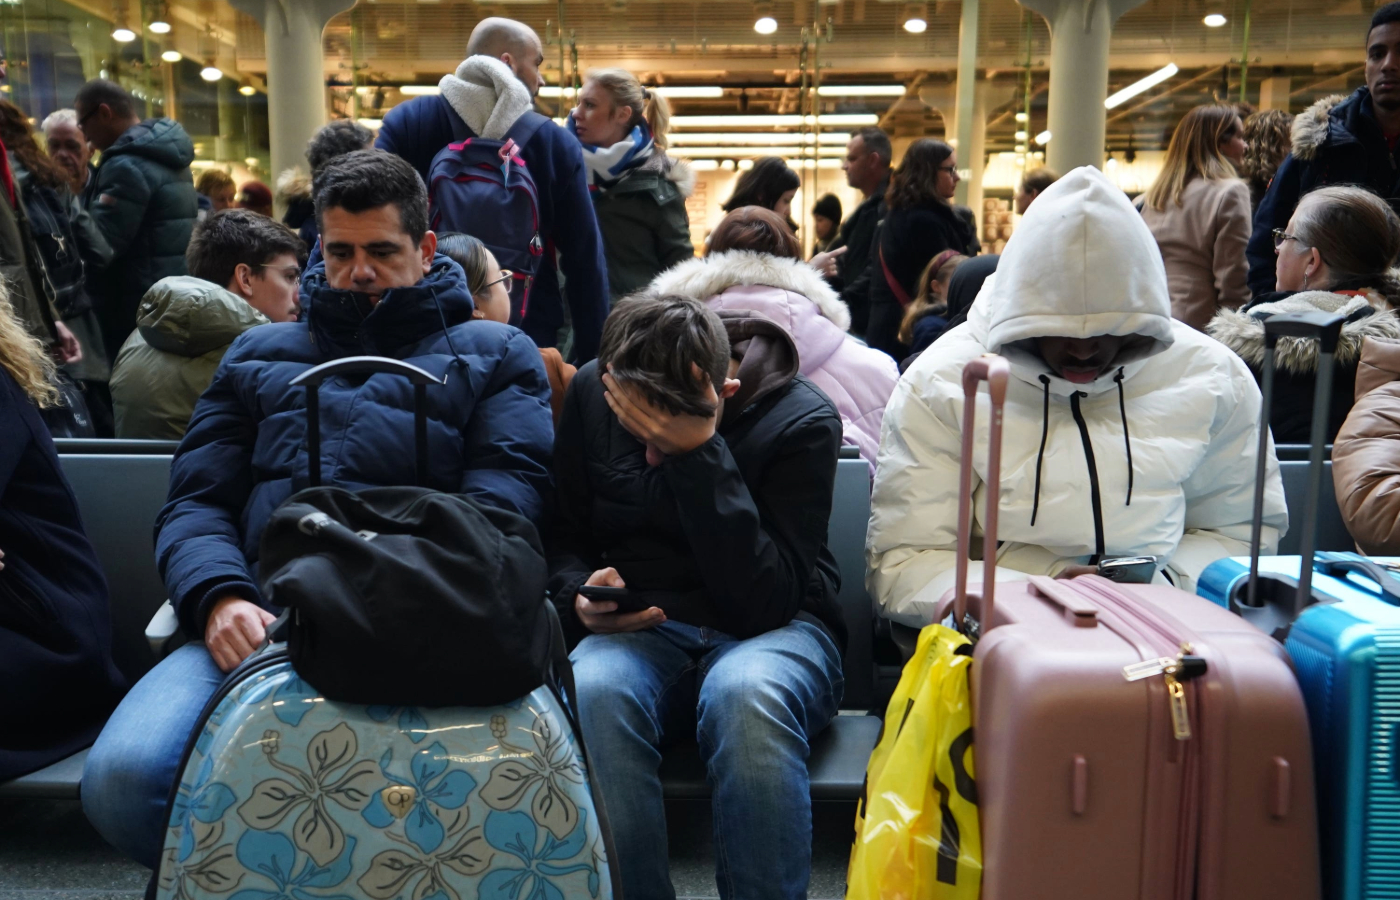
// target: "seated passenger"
[[55, 624], [1335, 256], [1128, 433], [698, 474], [186, 322], [926, 318], [381, 290], [755, 263], [1366, 455], [487, 282]]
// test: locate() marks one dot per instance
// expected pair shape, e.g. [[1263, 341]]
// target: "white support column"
[[296, 77], [964, 115], [1079, 35]]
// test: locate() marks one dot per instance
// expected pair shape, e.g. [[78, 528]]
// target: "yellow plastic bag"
[[917, 828]]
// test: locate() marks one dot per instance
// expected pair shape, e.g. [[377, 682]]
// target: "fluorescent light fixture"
[[210, 73], [1043, 138], [1020, 148], [699, 92], [371, 124], [159, 26], [247, 90], [781, 121], [828, 164], [123, 35], [171, 56], [421, 90], [766, 25], [1137, 87], [785, 152], [707, 165], [727, 165], [915, 25], [1021, 117], [744, 164], [860, 90], [755, 137], [250, 162], [1020, 136], [1214, 20]]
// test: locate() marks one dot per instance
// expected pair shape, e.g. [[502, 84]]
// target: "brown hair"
[[757, 229], [211, 180], [1357, 233], [24, 357], [1268, 137], [651, 343], [1038, 179], [939, 269], [1194, 152], [18, 136], [647, 105], [915, 182], [769, 179]]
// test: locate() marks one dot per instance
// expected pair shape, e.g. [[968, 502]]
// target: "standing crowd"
[[671, 424]]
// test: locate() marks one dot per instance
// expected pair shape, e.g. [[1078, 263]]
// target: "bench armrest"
[[162, 630]]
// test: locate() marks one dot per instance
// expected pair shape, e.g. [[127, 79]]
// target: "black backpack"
[[405, 595]]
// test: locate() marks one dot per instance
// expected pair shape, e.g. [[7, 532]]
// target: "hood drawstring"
[[1127, 442], [1040, 456], [446, 332]]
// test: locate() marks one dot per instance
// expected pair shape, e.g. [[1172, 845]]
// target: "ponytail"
[[647, 105], [657, 112]]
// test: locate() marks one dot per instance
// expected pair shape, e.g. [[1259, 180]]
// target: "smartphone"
[[626, 600], [1129, 569]]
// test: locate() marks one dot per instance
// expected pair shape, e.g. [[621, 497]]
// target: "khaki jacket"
[[1202, 243], [1366, 454]]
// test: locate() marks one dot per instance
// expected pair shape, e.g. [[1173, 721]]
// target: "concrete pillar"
[[296, 77], [989, 96], [1079, 35], [1274, 91], [966, 133]]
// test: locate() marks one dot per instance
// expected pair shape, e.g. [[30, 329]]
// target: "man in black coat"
[[1351, 140], [694, 468], [867, 166]]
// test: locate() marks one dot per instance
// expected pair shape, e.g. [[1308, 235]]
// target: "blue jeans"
[[130, 769], [752, 704]]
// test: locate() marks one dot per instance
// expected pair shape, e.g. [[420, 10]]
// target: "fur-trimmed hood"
[[706, 276], [293, 185], [1312, 127], [1243, 330]]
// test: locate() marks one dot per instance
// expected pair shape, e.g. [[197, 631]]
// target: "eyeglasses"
[[506, 275], [951, 170], [1281, 236]]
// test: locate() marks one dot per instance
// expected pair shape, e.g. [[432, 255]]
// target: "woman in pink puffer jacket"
[[754, 263]]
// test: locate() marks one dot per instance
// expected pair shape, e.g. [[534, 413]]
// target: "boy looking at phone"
[[694, 469]]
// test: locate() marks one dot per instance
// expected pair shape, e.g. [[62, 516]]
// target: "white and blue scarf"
[[607, 165]]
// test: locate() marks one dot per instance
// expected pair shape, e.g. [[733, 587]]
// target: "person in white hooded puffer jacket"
[[1127, 433]]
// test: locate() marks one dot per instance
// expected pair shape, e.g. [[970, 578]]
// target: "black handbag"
[[405, 595], [70, 418]]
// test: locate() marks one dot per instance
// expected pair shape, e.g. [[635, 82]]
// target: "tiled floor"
[[49, 852]]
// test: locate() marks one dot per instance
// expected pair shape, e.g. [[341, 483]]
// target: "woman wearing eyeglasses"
[[488, 283], [920, 224], [1335, 256]]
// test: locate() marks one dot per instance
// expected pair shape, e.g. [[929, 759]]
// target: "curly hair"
[[24, 358], [915, 182], [1268, 138], [19, 139]]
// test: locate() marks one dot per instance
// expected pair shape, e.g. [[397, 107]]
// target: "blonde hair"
[[939, 269], [647, 105], [1194, 152], [211, 180], [24, 357]]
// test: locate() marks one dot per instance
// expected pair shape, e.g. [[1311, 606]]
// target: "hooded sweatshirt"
[[858, 379], [184, 326], [1154, 457], [731, 535]]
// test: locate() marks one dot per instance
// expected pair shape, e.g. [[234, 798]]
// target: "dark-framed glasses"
[[1281, 237]]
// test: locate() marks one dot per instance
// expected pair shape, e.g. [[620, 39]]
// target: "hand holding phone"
[[626, 600], [605, 606]]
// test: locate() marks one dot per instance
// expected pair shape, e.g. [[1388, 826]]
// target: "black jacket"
[[55, 623], [1335, 141], [731, 535], [858, 237]]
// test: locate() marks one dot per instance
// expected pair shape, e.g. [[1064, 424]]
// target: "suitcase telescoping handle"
[[373, 365], [995, 371], [1326, 328]]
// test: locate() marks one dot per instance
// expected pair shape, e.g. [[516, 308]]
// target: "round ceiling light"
[[159, 27], [247, 90], [210, 73], [915, 25], [766, 25], [1214, 20], [123, 35], [171, 56]]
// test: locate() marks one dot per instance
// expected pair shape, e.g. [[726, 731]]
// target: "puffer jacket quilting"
[[1366, 454]]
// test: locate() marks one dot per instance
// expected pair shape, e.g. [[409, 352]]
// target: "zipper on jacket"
[[1094, 498]]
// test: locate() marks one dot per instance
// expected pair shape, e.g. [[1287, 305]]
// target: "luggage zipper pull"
[[1181, 717], [1173, 671], [1148, 668]]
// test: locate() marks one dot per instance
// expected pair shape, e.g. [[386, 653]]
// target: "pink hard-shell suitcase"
[[1192, 781]]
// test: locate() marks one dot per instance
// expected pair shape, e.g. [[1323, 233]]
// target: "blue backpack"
[[484, 188]]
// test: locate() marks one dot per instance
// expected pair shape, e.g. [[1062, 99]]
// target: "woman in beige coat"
[[1198, 210]]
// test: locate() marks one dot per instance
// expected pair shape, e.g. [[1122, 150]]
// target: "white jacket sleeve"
[[1220, 493]]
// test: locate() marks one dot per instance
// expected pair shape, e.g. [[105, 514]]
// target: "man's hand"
[[663, 433], [66, 349], [1075, 571], [825, 263], [234, 630], [602, 617]]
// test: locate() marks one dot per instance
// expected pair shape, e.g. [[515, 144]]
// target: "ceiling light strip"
[[1137, 87]]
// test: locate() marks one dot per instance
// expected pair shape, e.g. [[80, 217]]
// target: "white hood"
[[1081, 263], [487, 95]]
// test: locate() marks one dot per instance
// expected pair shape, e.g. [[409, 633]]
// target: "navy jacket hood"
[[162, 141]]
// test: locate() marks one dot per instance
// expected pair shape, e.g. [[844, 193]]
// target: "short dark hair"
[[755, 229], [876, 141], [651, 343], [1384, 16], [234, 236], [99, 91], [336, 139], [371, 179], [762, 185], [1038, 179]]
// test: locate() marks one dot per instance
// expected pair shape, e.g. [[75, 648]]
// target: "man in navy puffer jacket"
[[381, 290]]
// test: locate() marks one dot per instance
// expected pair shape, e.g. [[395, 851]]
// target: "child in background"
[[926, 319]]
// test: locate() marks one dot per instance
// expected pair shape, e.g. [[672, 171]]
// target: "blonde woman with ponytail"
[[55, 621], [638, 191]]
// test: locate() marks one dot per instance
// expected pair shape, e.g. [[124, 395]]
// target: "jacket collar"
[[1333, 121], [343, 323], [1368, 315], [707, 276], [767, 360]]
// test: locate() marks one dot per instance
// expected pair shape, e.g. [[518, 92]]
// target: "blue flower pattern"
[[434, 846]]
